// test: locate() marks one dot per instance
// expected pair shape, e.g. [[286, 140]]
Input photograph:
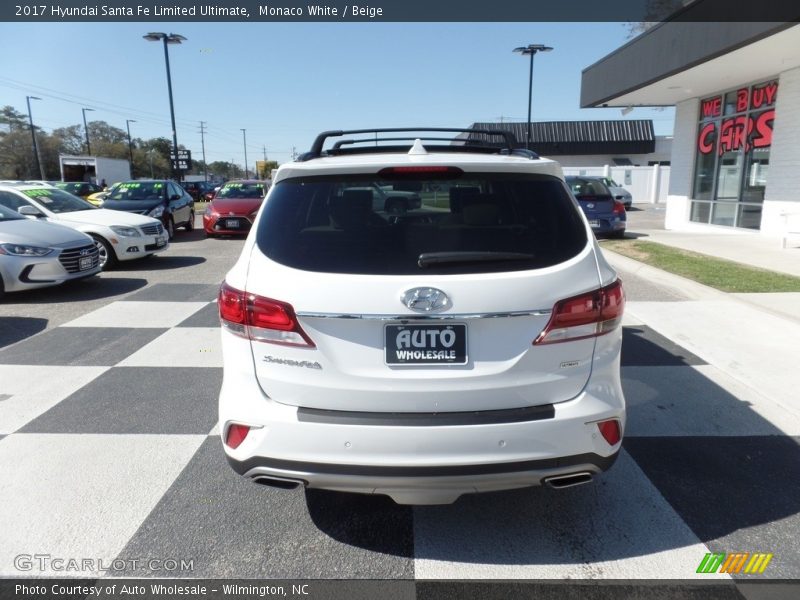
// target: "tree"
[[16, 146], [71, 140], [656, 11], [226, 170]]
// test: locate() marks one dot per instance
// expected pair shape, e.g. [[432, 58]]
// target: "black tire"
[[170, 228], [619, 235], [190, 223], [108, 258], [2, 289]]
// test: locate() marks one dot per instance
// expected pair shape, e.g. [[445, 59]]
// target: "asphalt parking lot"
[[109, 449]]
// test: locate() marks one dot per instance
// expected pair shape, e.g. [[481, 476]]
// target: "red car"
[[234, 208]]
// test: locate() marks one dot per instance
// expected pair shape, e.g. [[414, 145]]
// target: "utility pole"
[[203, 144]]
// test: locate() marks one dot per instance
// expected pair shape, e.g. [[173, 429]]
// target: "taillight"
[[421, 171], [584, 316], [610, 431], [619, 208], [236, 435], [261, 319]]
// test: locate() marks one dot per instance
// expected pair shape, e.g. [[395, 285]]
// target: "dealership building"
[[735, 156]]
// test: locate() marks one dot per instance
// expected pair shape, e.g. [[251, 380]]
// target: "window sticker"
[[42, 194]]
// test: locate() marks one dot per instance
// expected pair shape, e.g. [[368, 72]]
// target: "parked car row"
[[114, 235]]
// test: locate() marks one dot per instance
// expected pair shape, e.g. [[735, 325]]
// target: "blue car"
[[605, 214]]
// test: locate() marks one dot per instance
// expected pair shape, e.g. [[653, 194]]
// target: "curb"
[[688, 287]]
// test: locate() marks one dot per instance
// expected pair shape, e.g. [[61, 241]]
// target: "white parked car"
[[470, 345], [118, 235], [34, 254]]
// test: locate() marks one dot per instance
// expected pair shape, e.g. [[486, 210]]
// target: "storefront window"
[[734, 136]]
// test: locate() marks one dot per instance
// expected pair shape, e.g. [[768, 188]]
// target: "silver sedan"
[[36, 254]]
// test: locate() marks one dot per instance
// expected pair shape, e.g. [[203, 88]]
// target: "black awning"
[[553, 138]]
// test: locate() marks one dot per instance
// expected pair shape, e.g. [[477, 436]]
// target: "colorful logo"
[[736, 562]]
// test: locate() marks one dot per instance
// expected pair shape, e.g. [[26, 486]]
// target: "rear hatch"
[[431, 310], [593, 197]]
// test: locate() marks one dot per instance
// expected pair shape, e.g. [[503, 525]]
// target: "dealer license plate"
[[232, 223], [160, 241], [85, 263], [426, 344], [594, 223]]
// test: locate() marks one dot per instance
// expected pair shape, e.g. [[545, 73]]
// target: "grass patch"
[[724, 275]]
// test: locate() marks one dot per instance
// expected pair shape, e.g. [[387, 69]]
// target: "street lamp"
[[33, 136], [531, 49], [172, 38], [130, 143], [86, 130], [244, 137]]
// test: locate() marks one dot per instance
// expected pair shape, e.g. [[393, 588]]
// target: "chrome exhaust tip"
[[277, 482], [564, 481]]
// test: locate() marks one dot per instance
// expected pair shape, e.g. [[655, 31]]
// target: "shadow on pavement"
[[181, 235], [94, 288], [15, 329], [159, 263], [373, 523]]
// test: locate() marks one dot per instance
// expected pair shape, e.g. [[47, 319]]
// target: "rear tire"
[[618, 235], [108, 258]]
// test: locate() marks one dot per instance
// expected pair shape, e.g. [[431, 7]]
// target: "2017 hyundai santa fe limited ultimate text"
[[471, 344]]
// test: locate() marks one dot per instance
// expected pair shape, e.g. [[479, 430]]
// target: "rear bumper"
[[422, 485], [609, 226], [431, 461]]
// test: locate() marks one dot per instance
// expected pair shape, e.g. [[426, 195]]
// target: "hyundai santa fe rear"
[[471, 344]]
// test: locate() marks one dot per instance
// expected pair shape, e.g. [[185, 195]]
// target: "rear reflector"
[[610, 431], [584, 316], [261, 319], [236, 435]]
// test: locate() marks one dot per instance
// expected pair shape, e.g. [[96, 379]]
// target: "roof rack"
[[505, 145]]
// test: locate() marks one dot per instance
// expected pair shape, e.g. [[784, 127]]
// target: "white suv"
[[470, 345]]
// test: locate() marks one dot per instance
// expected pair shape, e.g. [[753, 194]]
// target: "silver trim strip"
[[436, 317]]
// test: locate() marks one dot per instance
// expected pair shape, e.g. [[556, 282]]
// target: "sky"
[[285, 82]]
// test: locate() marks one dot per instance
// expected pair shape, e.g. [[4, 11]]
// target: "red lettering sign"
[[705, 141], [763, 126], [712, 107], [764, 96], [733, 133], [741, 99]]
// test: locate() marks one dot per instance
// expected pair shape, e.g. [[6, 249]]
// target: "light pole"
[[531, 49], [130, 144], [244, 137], [86, 130], [33, 136], [172, 38]]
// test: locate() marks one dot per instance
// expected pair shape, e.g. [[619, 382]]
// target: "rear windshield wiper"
[[428, 259]]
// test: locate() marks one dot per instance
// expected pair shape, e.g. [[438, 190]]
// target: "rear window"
[[241, 190], [587, 187], [474, 223]]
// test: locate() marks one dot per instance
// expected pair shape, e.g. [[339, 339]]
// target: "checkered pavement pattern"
[[109, 449]]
